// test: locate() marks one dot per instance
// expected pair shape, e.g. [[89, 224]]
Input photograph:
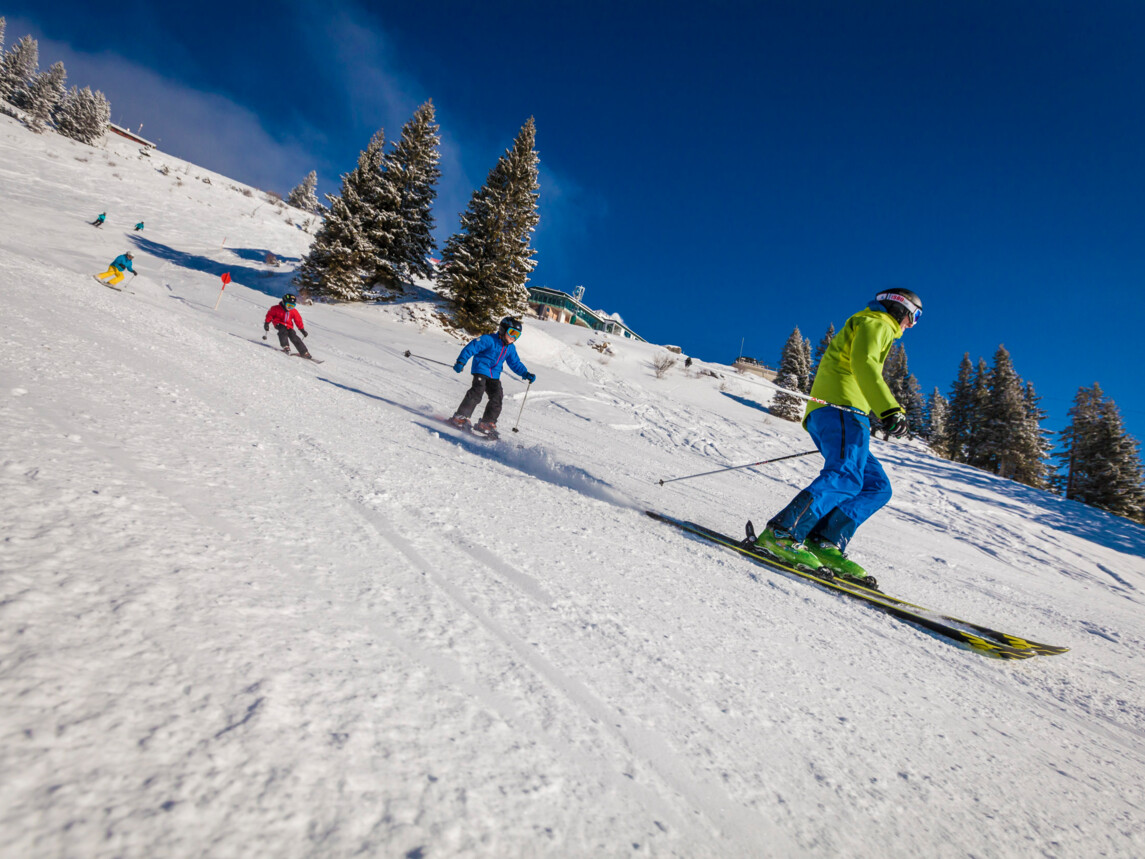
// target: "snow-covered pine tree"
[[412, 168], [914, 404], [1076, 440], [1010, 441], [821, 350], [302, 196], [1101, 462], [18, 67], [905, 388], [793, 367], [1035, 469], [3, 27], [83, 115], [346, 258], [486, 265], [980, 397], [937, 415], [380, 219], [332, 267], [44, 94], [963, 420], [808, 376]]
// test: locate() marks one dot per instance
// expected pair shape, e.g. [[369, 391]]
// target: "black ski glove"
[[894, 422], [303, 330], [266, 326]]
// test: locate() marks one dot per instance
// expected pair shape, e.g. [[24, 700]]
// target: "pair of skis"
[[111, 286], [284, 352], [469, 429], [973, 636]]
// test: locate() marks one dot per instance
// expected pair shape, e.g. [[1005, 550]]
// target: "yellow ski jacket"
[[851, 370]]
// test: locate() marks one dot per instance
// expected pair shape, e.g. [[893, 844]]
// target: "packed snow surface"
[[256, 606]]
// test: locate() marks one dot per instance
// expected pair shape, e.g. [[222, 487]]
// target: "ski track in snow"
[[256, 606]]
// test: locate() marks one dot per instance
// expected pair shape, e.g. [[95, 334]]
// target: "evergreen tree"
[[487, 264], [381, 221], [17, 69], [979, 397], [1009, 439], [303, 196], [914, 404], [1102, 462], [1035, 470], [83, 115], [805, 379], [793, 368], [3, 27], [346, 257], [961, 424], [821, 350], [905, 388], [937, 417], [412, 167], [44, 94]]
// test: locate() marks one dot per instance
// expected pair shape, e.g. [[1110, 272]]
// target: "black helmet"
[[900, 303], [510, 323], [289, 299]]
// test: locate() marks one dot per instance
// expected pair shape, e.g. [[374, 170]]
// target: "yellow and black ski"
[[973, 636]]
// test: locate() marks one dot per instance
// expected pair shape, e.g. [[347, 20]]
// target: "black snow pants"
[[287, 336], [483, 385]]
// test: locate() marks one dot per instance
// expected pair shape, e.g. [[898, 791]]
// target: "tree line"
[[44, 98], [992, 419], [377, 233]]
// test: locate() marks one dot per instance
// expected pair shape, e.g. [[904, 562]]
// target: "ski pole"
[[409, 354], [802, 396], [522, 405], [734, 467]]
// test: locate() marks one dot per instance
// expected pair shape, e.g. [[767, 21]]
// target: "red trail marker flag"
[[226, 278]]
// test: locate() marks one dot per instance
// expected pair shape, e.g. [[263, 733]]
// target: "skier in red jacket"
[[284, 316]]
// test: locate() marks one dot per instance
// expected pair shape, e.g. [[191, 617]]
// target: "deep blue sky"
[[711, 171]]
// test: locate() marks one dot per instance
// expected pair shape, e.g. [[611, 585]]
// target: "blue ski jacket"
[[488, 354], [122, 262]]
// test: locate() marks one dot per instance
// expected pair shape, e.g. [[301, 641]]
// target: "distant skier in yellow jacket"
[[813, 530]]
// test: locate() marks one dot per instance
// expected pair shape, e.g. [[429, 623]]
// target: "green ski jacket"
[[851, 370]]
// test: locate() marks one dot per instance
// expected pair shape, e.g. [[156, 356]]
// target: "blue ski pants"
[[849, 489]]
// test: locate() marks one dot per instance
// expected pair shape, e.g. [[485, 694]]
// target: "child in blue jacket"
[[489, 352]]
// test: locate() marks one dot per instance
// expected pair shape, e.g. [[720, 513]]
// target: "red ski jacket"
[[277, 315]]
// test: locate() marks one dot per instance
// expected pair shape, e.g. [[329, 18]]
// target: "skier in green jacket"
[[813, 530]]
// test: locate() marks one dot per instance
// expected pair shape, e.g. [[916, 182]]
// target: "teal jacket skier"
[[813, 530], [119, 265]]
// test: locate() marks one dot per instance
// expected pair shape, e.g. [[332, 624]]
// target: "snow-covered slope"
[[254, 606]]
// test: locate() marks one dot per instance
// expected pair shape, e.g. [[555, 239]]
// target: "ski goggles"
[[911, 308], [512, 334]]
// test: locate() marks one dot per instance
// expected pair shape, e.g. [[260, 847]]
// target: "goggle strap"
[[900, 299]]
